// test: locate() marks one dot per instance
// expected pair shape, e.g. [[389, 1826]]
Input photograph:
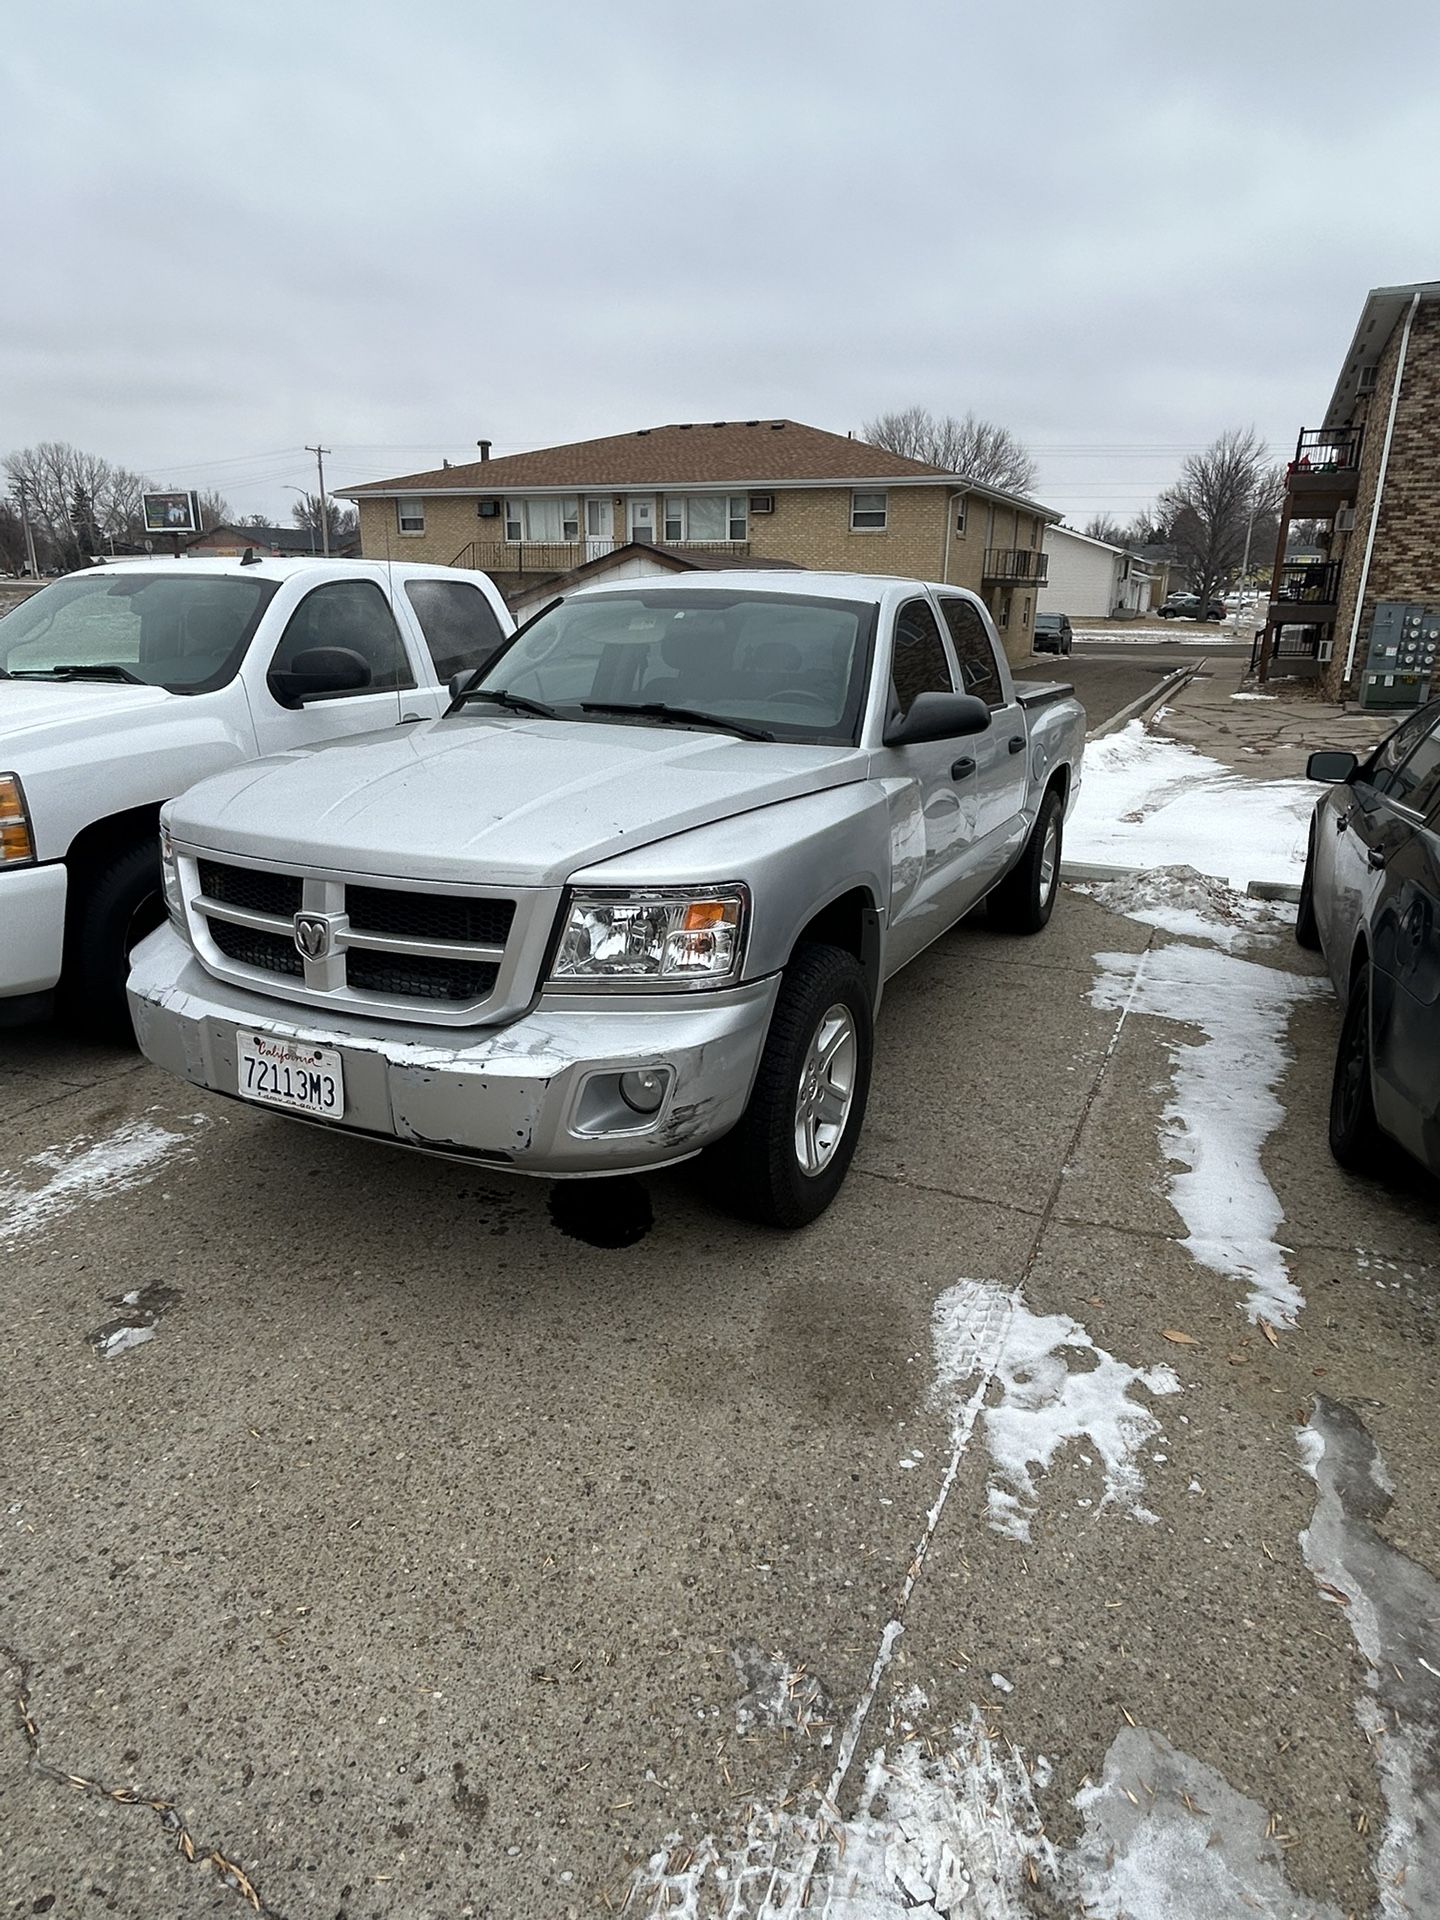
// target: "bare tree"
[[80, 503], [1223, 494], [343, 522], [1104, 526], [13, 557], [983, 452]]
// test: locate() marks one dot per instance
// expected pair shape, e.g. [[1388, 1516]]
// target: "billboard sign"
[[171, 512]]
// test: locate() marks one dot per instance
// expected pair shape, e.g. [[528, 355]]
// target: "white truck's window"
[[459, 623], [121, 623], [919, 663], [352, 614], [979, 668]]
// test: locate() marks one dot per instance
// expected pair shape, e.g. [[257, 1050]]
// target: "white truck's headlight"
[[17, 843], [170, 880], [662, 938]]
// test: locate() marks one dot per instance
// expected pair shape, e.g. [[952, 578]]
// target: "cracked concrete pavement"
[[411, 1558]]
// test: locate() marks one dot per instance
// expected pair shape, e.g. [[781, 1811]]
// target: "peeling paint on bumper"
[[506, 1095]]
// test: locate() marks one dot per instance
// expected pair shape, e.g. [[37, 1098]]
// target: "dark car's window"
[[1382, 765], [979, 669], [185, 632], [458, 622], [1416, 783], [797, 666], [920, 663], [353, 614]]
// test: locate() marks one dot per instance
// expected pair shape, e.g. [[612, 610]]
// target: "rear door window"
[[461, 627]]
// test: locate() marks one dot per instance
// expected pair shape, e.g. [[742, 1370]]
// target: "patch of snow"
[[1223, 1106], [1056, 1386], [1254, 696], [1195, 905], [123, 1339], [779, 1693], [1004, 1685], [81, 1170], [1150, 802]]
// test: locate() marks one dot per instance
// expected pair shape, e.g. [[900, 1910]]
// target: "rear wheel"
[[1355, 1137], [1307, 927], [117, 905], [1025, 898], [784, 1162]]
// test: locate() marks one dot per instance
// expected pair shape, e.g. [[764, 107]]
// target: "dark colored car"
[[1371, 901], [1186, 606], [1053, 633]]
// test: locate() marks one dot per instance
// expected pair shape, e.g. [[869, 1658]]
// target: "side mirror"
[[938, 716], [1333, 767], [317, 671]]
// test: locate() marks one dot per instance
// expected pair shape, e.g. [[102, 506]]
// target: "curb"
[[1156, 696], [1084, 870]]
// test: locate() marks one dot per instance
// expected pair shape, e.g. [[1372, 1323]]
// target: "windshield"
[[1047, 623], [796, 668], [187, 634]]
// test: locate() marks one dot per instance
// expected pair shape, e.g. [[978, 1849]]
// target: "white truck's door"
[[352, 614], [1001, 758]]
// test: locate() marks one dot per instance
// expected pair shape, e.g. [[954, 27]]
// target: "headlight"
[[170, 880], [659, 939], [17, 847]]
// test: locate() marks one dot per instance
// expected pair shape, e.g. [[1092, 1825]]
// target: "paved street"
[[1108, 675], [371, 1533]]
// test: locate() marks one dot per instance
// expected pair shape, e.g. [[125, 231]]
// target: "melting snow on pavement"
[[81, 1170], [1056, 1387], [1223, 1106], [1151, 802]]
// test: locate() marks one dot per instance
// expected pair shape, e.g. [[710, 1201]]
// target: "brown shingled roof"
[[713, 453]]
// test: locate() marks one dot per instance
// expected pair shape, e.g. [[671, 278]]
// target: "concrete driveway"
[[393, 1551]]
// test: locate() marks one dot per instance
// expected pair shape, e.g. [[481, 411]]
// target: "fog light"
[[642, 1090]]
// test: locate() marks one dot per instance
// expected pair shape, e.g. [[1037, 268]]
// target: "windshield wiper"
[[658, 710], [79, 671], [516, 702]]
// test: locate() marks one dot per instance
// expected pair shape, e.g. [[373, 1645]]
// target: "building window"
[[546, 518], [867, 513], [1004, 612], [1025, 613], [960, 514], [1034, 533], [706, 516], [410, 513]]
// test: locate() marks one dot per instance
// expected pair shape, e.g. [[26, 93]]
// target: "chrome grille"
[[383, 949]]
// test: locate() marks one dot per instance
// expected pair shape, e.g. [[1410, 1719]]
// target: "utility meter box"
[[1403, 663]]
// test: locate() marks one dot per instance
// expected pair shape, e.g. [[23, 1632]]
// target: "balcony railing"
[[559, 556], [1320, 451], [1017, 565], [1288, 643], [1307, 584]]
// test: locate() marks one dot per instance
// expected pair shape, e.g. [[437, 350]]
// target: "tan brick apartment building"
[[762, 489], [1370, 474]]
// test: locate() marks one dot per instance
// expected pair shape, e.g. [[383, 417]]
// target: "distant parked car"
[[1053, 633], [1186, 606], [1370, 900]]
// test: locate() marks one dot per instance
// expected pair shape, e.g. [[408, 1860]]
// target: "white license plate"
[[285, 1073]]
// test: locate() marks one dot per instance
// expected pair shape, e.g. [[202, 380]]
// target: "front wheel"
[[111, 912], [784, 1162], [1025, 898], [1355, 1137]]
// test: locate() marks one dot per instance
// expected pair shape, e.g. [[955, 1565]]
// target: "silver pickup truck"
[[636, 895]]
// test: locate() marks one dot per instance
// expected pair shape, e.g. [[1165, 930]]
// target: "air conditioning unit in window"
[[1365, 379], [762, 503], [1326, 650], [1345, 520], [488, 509]]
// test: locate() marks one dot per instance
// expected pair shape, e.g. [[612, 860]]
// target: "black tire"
[[757, 1168], [1069, 647], [112, 908], [1025, 898], [1307, 927], [1355, 1137]]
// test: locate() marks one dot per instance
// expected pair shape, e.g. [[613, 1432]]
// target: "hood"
[[507, 801], [39, 711]]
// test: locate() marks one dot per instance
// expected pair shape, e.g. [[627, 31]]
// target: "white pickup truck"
[[123, 685], [635, 897]]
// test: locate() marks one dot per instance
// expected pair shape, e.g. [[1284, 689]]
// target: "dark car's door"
[[1350, 826], [1405, 952]]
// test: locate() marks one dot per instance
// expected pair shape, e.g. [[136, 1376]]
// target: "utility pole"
[[21, 488], [320, 453]]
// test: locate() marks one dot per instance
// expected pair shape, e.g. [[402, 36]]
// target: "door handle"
[[1342, 821], [1376, 856], [410, 716], [959, 769], [1017, 745]]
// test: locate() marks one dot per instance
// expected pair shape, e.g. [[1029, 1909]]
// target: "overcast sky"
[[1115, 228]]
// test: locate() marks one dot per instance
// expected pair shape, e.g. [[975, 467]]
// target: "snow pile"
[[1180, 900], [1223, 1106], [1056, 1386], [1149, 802]]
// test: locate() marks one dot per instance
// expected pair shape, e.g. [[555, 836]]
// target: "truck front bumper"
[[32, 928], [538, 1096]]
